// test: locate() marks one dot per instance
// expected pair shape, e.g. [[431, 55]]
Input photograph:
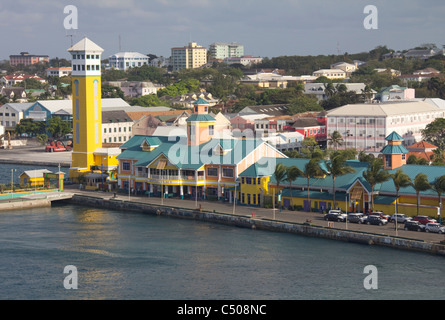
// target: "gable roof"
[[179, 153]]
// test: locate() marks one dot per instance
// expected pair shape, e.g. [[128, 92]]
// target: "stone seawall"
[[264, 224], [27, 204]]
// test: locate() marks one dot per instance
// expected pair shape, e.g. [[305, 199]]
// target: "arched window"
[[96, 88], [76, 88]]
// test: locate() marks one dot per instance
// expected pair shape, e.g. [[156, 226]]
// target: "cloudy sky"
[[266, 28]]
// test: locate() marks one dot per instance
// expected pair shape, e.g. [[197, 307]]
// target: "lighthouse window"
[[76, 88]]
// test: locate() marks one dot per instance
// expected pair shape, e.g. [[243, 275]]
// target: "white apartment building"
[[59, 72], [116, 126], [244, 60], [365, 126], [223, 50], [330, 73], [126, 60], [191, 56]]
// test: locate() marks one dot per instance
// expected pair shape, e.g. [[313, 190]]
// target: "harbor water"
[[132, 255]]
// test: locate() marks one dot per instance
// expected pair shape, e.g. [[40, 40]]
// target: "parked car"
[[380, 214], [424, 219], [335, 215], [401, 218], [377, 220], [414, 226], [357, 218], [434, 227]]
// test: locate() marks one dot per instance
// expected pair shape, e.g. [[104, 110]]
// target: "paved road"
[[35, 155], [285, 215]]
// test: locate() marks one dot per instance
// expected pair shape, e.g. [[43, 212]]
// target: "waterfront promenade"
[[316, 219]]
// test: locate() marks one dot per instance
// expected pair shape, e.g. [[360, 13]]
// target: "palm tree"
[[293, 173], [401, 180], [311, 169], [374, 175], [337, 167], [336, 139], [420, 184], [280, 175], [439, 186]]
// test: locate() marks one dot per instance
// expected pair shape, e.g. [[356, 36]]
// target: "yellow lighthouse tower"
[[87, 112]]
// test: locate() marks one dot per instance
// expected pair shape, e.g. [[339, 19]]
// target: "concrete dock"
[[33, 155]]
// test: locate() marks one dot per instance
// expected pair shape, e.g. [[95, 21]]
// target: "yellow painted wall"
[[87, 120]]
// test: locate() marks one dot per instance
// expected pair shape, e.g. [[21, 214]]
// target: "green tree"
[[420, 184], [149, 100], [30, 127], [335, 139], [435, 133], [280, 175], [337, 167], [401, 180], [58, 128], [439, 186], [311, 169], [375, 174], [292, 173]]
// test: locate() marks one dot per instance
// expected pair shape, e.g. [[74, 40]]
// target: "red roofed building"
[[11, 80], [422, 149]]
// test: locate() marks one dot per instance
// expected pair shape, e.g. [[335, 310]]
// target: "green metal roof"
[[184, 156], [394, 136], [397, 149], [201, 118], [200, 101]]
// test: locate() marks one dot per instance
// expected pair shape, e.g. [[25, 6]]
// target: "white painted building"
[[222, 50], [12, 113], [365, 126], [126, 60], [116, 126], [59, 72], [137, 89]]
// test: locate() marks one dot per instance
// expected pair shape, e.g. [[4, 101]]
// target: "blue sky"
[[265, 28]]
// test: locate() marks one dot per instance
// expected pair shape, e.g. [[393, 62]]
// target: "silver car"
[[357, 218], [401, 218], [434, 227]]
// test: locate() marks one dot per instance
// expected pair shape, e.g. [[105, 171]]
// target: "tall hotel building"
[[223, 50], [191, 56]]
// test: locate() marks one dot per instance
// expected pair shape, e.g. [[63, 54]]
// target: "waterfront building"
[[26, 59], [88, 154], [223, 50], [197, 164], [126, 60], [258, 186], [191, 56]]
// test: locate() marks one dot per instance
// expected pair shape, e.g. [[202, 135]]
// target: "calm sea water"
[[126, 255]]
